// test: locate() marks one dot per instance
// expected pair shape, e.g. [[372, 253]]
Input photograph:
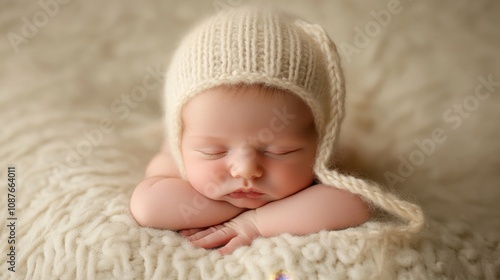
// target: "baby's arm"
[[163, 200], [316, 208], [311, 210]]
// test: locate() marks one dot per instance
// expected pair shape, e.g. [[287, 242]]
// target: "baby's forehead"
[[247, 97], [250, 107]]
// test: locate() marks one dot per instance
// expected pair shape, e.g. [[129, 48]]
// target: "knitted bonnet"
[[263, 46]]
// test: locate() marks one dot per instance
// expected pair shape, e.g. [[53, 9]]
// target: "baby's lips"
[[240, 195]]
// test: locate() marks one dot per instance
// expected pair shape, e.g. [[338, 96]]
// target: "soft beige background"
[[80, 139]]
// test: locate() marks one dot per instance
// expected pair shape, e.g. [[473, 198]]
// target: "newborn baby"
[[254, 100], [246, 149]]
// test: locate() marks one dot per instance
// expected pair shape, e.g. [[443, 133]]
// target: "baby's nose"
[[246, 165]]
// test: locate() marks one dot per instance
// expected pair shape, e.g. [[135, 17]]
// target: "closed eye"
[[212, 154], [281, 153]]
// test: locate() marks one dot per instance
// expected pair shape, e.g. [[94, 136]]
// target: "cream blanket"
[[80, 89]]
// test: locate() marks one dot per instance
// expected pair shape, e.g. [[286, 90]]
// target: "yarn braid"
[[368, 190]]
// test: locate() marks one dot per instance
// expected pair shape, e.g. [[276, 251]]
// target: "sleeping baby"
[[254, 100]]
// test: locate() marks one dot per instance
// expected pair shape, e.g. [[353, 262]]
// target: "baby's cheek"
[[193, 173], [296, 175], [202, 177]]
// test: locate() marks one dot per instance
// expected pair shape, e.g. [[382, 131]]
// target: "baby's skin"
[[248, 153]]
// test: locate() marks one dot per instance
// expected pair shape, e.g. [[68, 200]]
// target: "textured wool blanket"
[[80, 91]]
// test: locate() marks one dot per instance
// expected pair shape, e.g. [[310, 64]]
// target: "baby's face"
[[248, 148]]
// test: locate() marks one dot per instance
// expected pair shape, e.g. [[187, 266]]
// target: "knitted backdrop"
[[80, 105]]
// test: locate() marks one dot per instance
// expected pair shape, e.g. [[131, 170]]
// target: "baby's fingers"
[[235, 243], [214, 239], [189, 232], [202, 233]]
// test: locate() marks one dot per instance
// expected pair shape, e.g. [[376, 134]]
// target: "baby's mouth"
[[245, 194]]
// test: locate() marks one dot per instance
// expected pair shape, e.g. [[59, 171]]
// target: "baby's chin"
[[247, 203]]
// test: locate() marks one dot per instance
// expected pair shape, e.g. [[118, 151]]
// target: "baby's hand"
[[237, 232]]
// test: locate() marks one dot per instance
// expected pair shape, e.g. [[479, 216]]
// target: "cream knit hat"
[[263, 46]]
